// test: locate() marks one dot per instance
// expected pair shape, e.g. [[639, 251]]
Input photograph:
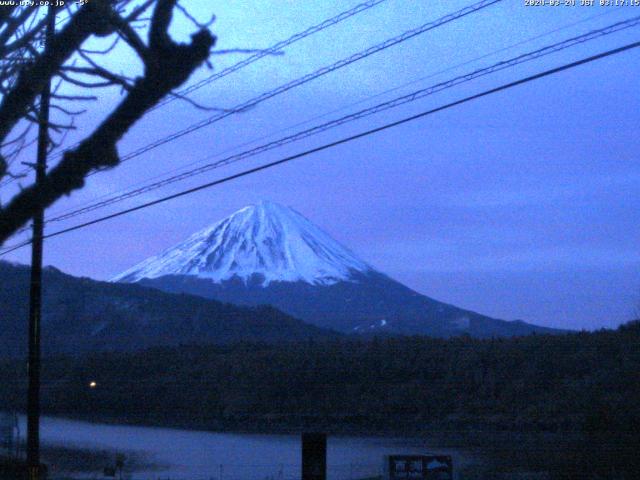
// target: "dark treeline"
[[568, 404], [583, 382]]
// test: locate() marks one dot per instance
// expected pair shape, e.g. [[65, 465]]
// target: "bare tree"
[[142, 26]]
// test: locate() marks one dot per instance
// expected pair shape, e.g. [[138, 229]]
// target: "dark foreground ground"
[[64, 461], [568, 405], [503, 456]]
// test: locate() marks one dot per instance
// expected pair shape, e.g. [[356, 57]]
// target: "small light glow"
[[93, 384]]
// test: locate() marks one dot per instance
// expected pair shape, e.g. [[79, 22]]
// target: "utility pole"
[[35, 296], [314, 456]]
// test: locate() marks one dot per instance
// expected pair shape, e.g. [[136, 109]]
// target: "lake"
[[196, 455]]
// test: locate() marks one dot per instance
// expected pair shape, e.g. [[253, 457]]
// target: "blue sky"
[[521, 205]]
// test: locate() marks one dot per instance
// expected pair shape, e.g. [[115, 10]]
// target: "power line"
[[344, 140], [307, 78], [344, 107], [411, 97], [311, 76], [409, 34], [275, 48], [246, 62]]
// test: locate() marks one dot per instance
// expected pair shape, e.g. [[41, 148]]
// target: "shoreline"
[[269, 426], [486, 451]]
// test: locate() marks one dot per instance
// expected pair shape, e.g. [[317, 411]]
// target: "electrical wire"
[[396, 102], [409, 34], [307, 78], [342, 141], [277, 47], [344, 107]]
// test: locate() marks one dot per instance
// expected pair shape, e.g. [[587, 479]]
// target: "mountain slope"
[[268, 242], [270, 254], [81, 315], [375, 304]]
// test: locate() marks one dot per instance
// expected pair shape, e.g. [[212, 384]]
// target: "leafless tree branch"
[[166, 65]]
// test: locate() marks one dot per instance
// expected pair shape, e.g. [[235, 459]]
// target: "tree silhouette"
[[26, 68]]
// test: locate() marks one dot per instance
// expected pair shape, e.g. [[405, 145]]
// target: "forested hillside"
[[576, 382], [566, 404], [81, 315]]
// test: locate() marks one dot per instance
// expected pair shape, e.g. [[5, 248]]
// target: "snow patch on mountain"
[[266, 241]]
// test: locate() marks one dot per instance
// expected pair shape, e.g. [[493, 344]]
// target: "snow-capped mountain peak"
[[266, 241]]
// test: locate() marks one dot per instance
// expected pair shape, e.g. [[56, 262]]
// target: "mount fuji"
[[271, 254], [261, 244]]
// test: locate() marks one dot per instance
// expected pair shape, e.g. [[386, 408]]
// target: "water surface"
[[197, 455]]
